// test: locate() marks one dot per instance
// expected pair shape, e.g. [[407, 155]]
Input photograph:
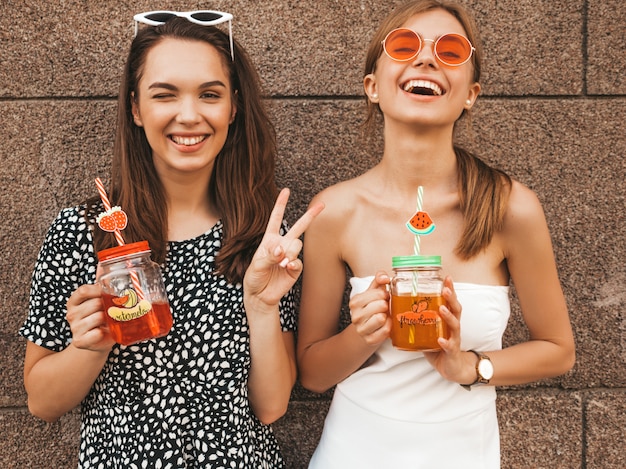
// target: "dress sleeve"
[[66, 260], [288, 312]]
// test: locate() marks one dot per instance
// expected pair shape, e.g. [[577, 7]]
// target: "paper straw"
[[118, 237], [103, 194], [420, 197], [420, 201], [416, 251], [411, 333]]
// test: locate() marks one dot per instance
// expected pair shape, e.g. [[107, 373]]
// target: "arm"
[[326, 357], [549, 352], [56, 382], [274, 269]]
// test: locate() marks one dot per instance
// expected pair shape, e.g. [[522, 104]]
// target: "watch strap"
[[479, 378]]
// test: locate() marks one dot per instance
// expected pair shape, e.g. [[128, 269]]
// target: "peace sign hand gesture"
[[275, 266]]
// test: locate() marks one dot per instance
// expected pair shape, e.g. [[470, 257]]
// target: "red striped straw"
[[118, 236]]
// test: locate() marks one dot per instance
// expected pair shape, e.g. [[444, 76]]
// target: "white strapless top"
[[403, 386]]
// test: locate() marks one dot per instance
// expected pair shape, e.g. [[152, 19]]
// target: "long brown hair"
[[483, 190], [242, 183]]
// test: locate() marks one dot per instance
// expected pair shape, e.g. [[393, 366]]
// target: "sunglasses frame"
[[188, 15], [421, 46]]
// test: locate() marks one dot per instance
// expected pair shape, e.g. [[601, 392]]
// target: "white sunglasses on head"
[[202, 17]]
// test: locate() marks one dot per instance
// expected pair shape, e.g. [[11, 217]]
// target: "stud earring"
[[374, 96], [468, 102]]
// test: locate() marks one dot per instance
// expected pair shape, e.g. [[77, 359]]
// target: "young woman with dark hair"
[[193, 168]]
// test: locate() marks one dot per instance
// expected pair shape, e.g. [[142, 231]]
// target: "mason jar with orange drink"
[[415, 300]]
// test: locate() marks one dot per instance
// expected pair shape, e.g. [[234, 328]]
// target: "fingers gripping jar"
[[415, 300], [133, 294]]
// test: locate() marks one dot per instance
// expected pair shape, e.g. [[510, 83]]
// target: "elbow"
[[309, 375], [564, 361], [316, 389], [312, 385], [270, 415], [42, 413], [570, 359]]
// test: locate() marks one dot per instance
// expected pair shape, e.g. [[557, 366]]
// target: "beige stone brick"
[[540, 429], [28, 442], [606, 69], [605, 414]]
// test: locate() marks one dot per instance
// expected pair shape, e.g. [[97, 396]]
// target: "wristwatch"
[[484, 370]]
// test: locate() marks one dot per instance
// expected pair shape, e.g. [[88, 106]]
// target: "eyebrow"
[[169, 86]]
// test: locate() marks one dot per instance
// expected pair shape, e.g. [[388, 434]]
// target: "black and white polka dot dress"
[[180, 401]]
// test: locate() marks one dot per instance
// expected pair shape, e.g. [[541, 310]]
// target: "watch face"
[[485, 368]]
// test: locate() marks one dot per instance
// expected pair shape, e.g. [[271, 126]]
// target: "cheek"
[[388, 92], [153, 119], [220, 117]]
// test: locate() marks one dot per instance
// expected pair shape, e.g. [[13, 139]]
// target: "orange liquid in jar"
[[416, 324], [156, 322]]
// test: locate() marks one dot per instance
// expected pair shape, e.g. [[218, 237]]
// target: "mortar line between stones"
[[313, 98], [583, 436], [584, 51]]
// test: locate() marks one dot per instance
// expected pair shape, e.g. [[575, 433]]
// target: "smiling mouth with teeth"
[[423, 87], [187, 141]]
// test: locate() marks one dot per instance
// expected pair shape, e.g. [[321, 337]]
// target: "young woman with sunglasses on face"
[[193, 168], [394, 408]]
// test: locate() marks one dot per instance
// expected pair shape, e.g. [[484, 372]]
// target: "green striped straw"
[[420, 201], [416, 251]]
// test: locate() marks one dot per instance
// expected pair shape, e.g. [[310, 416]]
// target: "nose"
[[188, 112], [426, 55]]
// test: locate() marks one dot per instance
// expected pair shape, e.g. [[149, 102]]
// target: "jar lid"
[[124, 250], [400, 262]]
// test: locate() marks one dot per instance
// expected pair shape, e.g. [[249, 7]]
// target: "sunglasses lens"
[[159, 16], [402, 44], [206, 16], [453, 49]]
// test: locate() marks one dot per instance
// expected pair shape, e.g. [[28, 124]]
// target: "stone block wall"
[[552, 114]]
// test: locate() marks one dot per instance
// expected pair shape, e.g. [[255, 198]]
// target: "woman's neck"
[[414, 158], [189, 211]]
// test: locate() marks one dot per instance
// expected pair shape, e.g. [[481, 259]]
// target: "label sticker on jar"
[[128, 306], [419, 314]]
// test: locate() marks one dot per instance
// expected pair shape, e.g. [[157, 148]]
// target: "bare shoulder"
[[525, 227], [339, 199], [333, 231], [523, 207]]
